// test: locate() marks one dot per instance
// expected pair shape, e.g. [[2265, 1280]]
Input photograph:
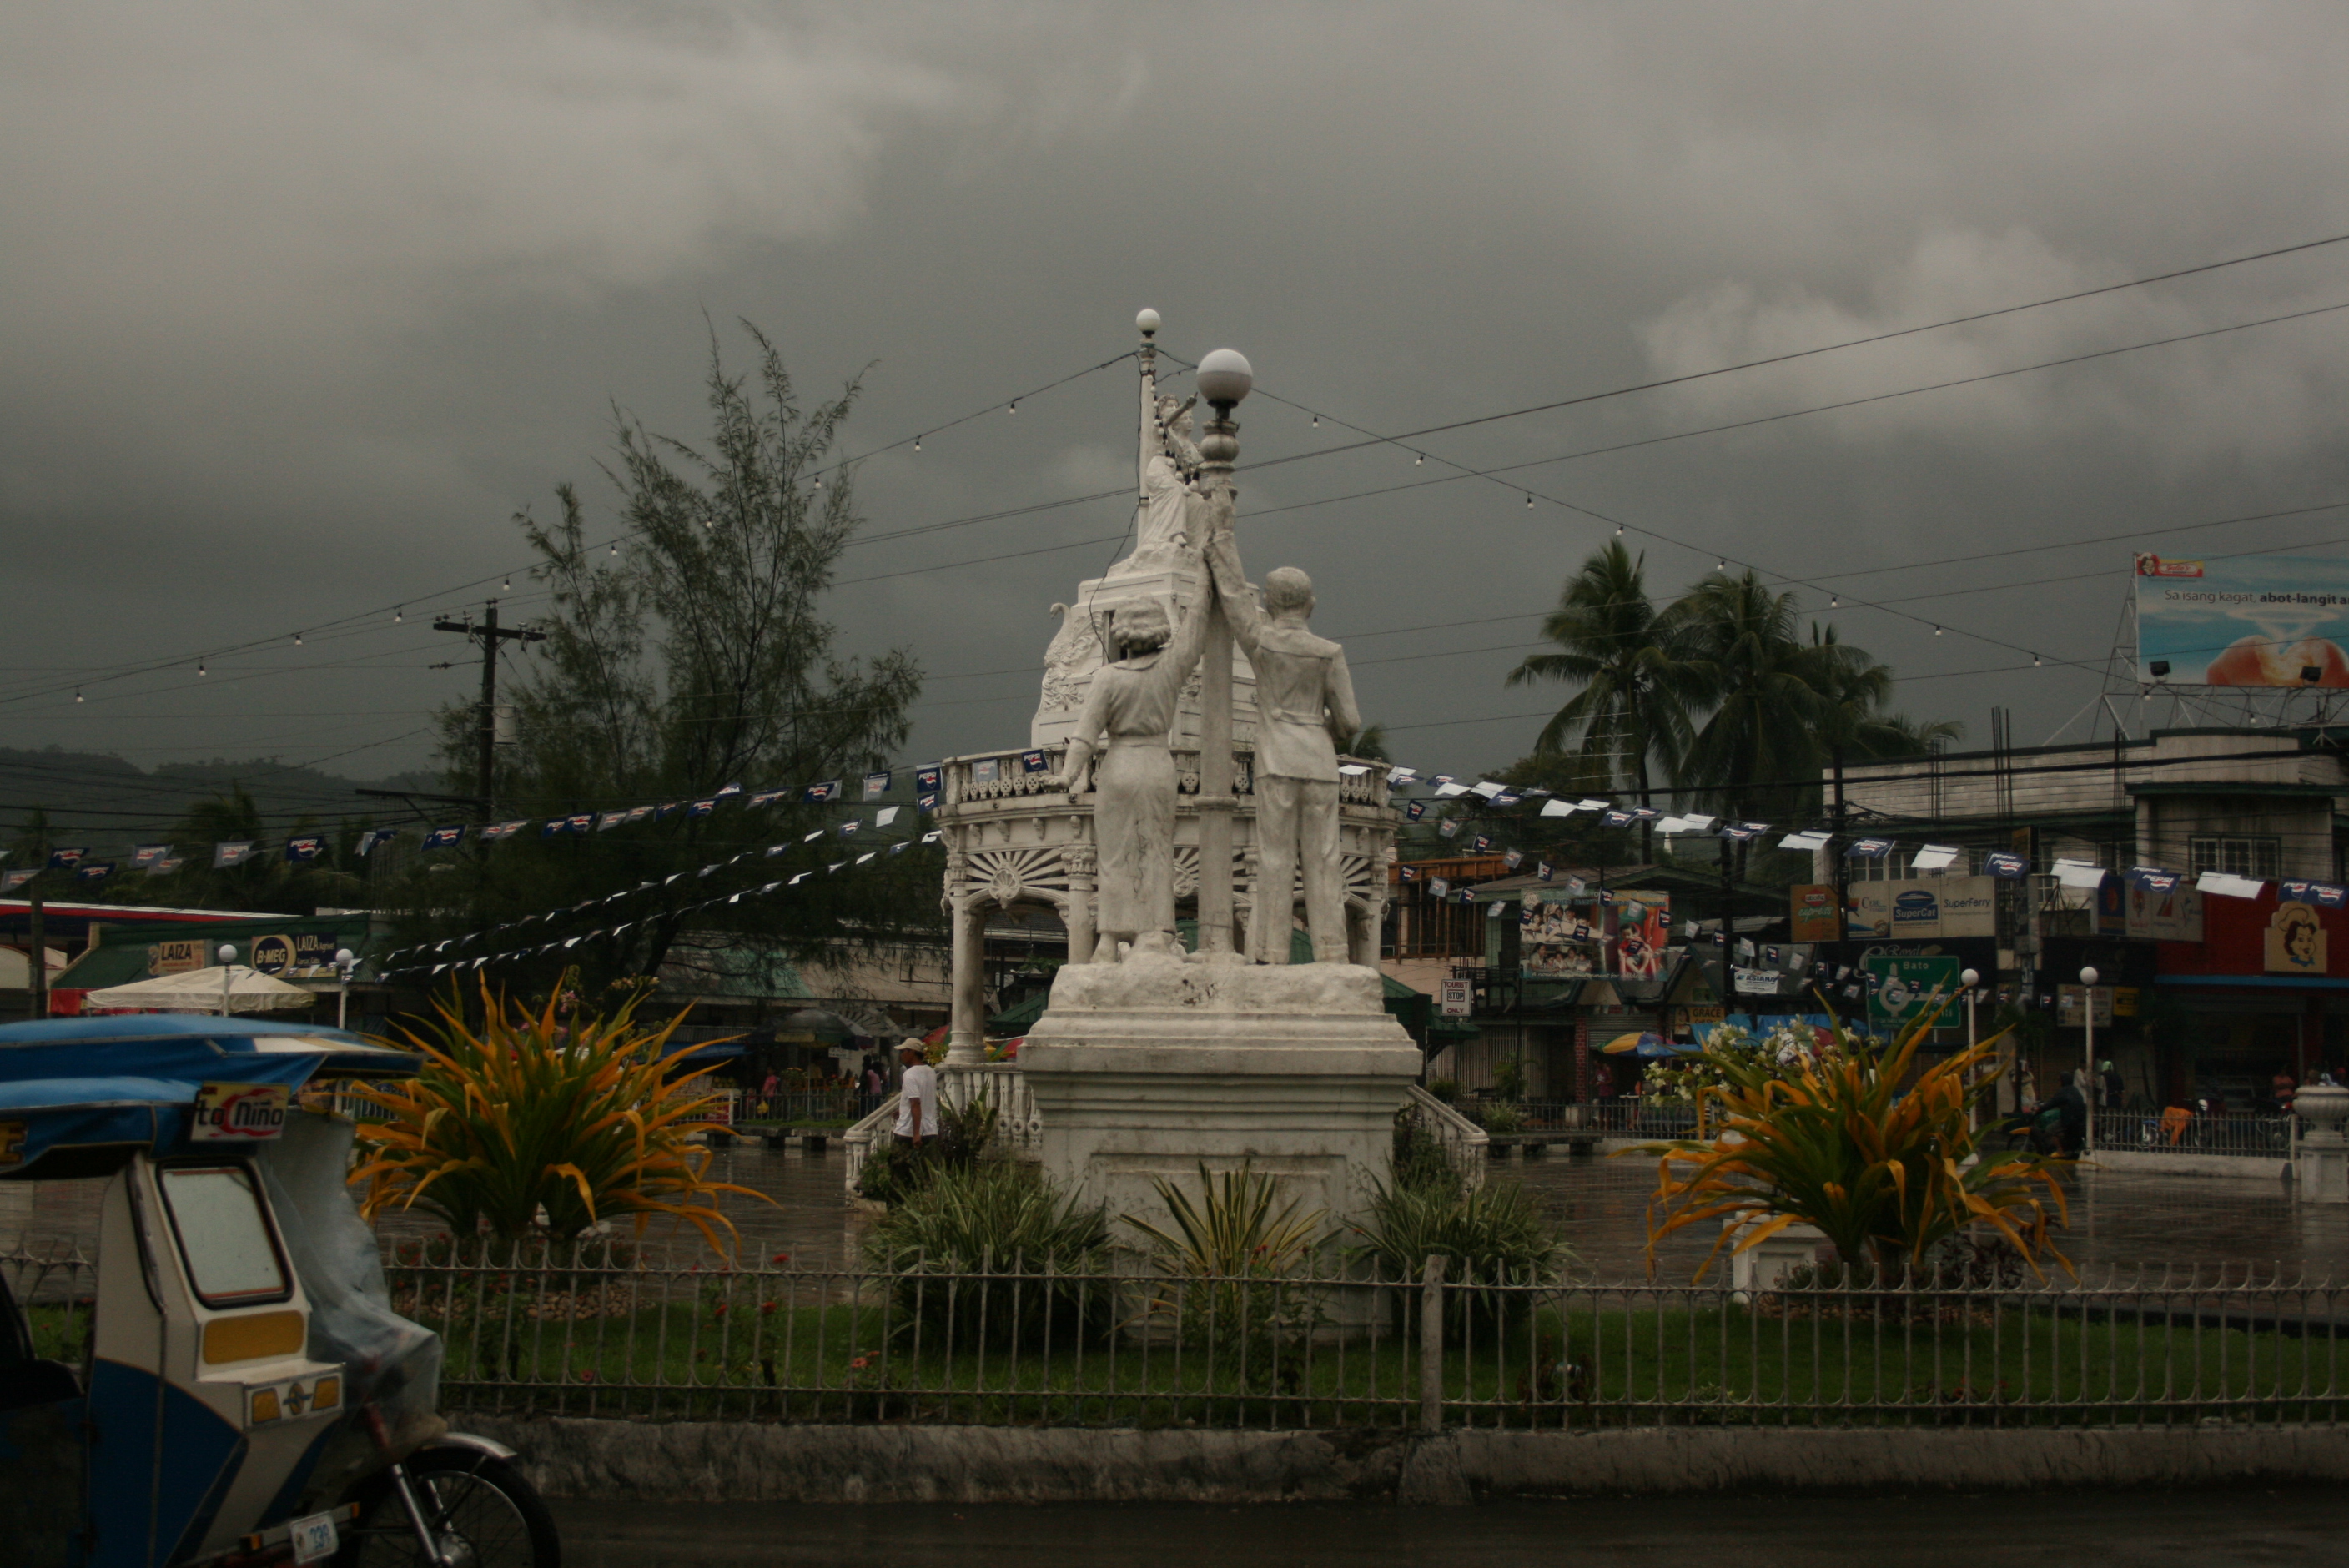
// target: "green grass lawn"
[[769, 1357]]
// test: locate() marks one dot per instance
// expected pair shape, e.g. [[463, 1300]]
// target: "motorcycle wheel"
[[484, 1513]]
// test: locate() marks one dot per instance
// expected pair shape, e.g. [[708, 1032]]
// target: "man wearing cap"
[[917, 1102]]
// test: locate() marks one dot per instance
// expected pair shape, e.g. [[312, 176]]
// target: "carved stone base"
[[1147, 1068]]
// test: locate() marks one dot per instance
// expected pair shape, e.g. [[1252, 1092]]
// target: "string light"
[[1420, 462], [199, 667], [917, 443], [76, 693], [1529, 500], [509, 580], [1317, 421], [1835, 601], [2034, 661], [1618, 530], [1015, 406], [298, 639], [616, 547], [398, 613], [819, 481], [1721, 564], [1937, 631]]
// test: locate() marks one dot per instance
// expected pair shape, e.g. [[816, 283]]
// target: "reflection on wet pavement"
[[2119, 1220]]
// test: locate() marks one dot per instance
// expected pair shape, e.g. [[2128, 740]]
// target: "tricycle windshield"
[[224, 1235]]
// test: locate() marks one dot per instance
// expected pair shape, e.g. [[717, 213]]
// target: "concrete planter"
[[2321, 1164]]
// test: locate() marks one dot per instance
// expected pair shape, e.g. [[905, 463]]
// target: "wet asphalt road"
[[2190, 1529]]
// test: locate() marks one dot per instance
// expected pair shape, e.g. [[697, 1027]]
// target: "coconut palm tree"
[[1636, 691], [1853, 688], [1738, 640]]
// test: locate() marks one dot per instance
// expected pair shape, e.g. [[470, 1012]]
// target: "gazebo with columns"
[[1017, 840]]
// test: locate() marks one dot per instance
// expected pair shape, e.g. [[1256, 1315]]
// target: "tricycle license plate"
[[313, 1537]]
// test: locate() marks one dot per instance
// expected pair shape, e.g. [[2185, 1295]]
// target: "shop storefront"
[[2265, 990]]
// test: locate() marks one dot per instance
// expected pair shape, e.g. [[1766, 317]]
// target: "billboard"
[[1566, 934], [1926, 906], [2248, 620]]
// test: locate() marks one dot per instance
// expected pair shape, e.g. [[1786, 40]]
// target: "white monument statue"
[[1131, 703], [1305, 701], [1147, 1070]]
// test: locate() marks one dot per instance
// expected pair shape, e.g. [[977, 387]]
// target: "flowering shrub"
[[1733, 1054]]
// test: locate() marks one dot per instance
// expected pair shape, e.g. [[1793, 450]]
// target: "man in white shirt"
[[918, 1107]]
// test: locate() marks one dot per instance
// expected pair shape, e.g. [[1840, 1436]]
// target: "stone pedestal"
[[1146, 1069], [2320, 1172], [1766, 1266], [2320, 1169]]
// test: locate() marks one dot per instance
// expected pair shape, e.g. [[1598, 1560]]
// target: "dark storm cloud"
[[303, 302]]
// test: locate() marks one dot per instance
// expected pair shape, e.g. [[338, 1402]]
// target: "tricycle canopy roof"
[[79, 1096]]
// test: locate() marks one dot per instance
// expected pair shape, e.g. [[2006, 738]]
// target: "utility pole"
[[490, 636]]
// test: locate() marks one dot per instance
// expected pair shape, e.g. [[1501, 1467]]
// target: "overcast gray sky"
[[301, 302]]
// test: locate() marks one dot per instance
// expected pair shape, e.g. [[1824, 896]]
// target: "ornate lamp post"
[[345, 962], [1224, 378]]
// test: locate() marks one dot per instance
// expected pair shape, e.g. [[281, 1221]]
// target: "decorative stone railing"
[[1017, 1127], [1013, 782], [1464, 1143]]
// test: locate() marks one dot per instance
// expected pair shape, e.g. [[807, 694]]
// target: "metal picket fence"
[[607, 1330], [2241, 1134]]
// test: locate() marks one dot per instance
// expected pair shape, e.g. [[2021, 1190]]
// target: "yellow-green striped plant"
[[1887, 1167], [533, 1125]]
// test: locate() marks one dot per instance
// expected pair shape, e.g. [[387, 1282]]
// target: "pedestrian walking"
[[917, 1102]]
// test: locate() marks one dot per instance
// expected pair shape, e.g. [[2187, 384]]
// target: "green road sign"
[[1906, 988]]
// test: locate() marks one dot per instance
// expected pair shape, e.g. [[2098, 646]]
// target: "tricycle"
[[228, 1386]]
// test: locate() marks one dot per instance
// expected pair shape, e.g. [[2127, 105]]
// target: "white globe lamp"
[[1224, 378]]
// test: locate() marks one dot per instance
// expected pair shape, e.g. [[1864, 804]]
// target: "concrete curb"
[[694, 1461]]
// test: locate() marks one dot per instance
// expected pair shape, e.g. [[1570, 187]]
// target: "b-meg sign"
[[2250, 621]]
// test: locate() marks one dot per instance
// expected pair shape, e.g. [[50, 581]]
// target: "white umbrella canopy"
[[202, 991]]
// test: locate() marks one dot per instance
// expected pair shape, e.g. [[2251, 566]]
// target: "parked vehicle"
[[235, 1388]]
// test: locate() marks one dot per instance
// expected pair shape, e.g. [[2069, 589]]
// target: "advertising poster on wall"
[[2248, 620], [2172, 916], [1924, 907], [2295, 941], [1814, 916], [1642, 925], [1557, 939]]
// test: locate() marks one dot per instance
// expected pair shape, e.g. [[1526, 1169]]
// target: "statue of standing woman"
[[1169, 504], [1128, 714]]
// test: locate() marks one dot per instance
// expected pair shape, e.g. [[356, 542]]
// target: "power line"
[[2171, 275], [1824, 348]]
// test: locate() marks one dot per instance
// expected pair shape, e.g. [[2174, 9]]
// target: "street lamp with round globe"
[[228, 972], [345, 962], [1970, 979], [1224, 378], [2089, 1089], [1147, 320]]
